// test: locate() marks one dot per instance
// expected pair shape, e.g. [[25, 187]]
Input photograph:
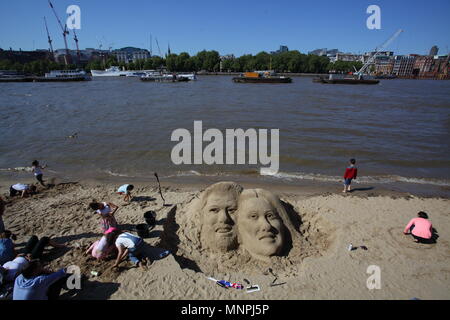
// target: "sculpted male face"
[[260, 228], [218, 231]]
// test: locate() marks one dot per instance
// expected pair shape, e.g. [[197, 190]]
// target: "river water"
[[398, 131]]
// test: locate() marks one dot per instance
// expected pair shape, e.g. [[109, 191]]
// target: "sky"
[[230, 27]]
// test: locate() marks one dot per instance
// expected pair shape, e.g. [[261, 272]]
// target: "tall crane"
[[371, 60], [65, 33], [76, 43], [49, 39], [159, 50]]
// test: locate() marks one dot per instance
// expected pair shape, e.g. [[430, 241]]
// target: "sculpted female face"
[[218, 231], [260, 228]]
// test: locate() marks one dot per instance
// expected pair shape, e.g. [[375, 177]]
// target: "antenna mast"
[[65, 33]]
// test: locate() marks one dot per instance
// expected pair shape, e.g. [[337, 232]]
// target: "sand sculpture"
[[252, 220]]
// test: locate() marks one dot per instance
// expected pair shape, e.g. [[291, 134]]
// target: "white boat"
[[64, 75], [190, 76], [113, 71], [137, 74]]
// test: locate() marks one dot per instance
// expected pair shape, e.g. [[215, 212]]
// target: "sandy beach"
[[322, 268]]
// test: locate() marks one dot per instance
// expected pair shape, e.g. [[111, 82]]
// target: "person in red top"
[[420, 228], [350, 173]]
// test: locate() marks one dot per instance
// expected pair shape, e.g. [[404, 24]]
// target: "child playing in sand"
[[350, 174], [103, 248], [24, 189], [106, 210], [420, 228], [128, 245], [126, 190], [37, 170]]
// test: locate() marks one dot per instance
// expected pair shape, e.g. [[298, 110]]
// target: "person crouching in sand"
[[105, 247], [126, 190], [350, 174], [420, 228], [106, 210], [129, 246], [23, 189]]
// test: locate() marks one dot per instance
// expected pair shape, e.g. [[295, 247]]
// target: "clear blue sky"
[[232, 26]]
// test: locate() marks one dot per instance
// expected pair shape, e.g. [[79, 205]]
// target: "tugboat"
[[261, 77]]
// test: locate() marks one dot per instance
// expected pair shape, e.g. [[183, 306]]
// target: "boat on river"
[[261, 77], [64, 75], [346, 79]]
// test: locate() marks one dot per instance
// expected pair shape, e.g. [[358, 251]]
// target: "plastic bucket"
[[142, 230], [150, 219]]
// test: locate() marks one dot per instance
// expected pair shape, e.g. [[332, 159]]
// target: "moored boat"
[[64, 75], [345, 80], [261, 77]]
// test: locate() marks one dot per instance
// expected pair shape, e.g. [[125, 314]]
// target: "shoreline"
[[304, 187]]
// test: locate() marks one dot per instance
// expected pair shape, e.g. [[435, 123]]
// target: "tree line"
[[210, 61]]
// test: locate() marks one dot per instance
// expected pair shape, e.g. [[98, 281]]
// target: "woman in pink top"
[[420, 228]]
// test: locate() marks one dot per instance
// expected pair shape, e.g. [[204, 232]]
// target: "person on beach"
[[7, 250], [126, 190], [350, 174], [106, 210], [420, 228], [23, 189], [37, 170], [37, 283], [105, 247], [2, 210], [33, 250], [15, 267], [128, 245], [35, 246]]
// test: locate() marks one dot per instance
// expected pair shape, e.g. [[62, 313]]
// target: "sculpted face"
[[260, 228], [218, 230]]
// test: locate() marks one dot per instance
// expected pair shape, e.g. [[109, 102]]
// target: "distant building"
[[434, 51], [130, 54], [324, 52], [404, 65], [281, 50]]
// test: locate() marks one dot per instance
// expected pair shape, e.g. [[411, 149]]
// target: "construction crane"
[[377, 51], [65, 33], [159, 50], [76, 43], [49, 39]]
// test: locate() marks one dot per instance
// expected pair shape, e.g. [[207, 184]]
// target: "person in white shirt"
[[24, 189], [126, 190], [129, 245]]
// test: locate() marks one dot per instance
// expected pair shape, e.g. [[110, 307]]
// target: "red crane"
[[65, 33]]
